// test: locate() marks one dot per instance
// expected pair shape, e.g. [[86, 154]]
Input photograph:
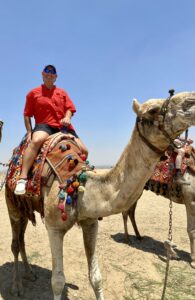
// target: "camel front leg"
[[190, 210], [58, 279], [90, 229]]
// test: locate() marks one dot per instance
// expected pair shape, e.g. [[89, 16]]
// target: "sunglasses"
[[51, 71]]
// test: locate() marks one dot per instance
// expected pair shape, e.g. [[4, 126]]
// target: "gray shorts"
[[51, 130]]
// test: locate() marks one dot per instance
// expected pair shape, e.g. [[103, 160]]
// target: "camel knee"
[[57, 282]]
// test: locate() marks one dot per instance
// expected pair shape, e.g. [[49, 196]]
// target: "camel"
[[1, 128], [159, 122], [186, 197]]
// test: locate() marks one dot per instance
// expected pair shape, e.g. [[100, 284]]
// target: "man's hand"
[[29, 137], [65, 121]]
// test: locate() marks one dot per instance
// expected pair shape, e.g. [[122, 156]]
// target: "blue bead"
[[69, 200]]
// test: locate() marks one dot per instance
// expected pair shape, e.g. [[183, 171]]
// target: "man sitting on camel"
[[52, 110]]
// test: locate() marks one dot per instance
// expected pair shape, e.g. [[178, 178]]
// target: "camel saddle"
[[62, 154], [165, 170]]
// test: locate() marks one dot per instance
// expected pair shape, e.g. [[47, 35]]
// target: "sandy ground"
[[121, 264]]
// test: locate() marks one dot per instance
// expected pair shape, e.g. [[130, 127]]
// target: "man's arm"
[[28, 125], [67, 119]]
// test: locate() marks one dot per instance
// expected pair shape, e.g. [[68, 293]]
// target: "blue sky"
[[106, 52]]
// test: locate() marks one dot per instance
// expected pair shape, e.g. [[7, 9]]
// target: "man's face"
[[49, 76]]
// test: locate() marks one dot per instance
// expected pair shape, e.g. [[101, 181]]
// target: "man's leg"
[[38, 138]]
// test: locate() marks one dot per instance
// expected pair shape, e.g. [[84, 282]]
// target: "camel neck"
[[120, 187]]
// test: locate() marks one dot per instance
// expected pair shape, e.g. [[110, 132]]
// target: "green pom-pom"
[[61, 195], [83, 177]]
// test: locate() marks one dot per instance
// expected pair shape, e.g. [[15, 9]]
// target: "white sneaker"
[[20, 187]]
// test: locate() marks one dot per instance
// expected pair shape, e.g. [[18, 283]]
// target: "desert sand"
[[133, 270]]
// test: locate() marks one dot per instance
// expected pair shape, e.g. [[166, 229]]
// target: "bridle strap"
[[152, 147], [163, 112]]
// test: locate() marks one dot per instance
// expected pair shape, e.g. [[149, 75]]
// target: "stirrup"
[[20, 187]]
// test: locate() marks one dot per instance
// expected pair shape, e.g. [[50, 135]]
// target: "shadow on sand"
[[40, 289], [148, 244]]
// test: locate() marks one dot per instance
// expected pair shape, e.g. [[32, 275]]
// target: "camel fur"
[[105, 194]]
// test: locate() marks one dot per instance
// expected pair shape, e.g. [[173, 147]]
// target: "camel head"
[[160, 121], [1, 127]]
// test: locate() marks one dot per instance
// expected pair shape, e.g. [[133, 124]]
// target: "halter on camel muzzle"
[[160, 125]]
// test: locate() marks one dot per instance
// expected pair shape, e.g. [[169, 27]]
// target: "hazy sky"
[[106, 53]]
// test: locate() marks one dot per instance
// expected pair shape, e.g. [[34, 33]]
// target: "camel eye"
[[153, 111]]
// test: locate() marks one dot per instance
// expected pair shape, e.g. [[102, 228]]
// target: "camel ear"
[[137, 107]]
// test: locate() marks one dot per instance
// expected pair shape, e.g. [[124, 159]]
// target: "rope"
[[170, 251], [166, 276]]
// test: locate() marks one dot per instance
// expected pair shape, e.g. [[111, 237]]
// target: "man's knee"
[[38, 139], [37, 143]]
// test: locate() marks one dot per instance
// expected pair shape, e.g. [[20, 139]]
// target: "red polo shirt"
[[48, 106]]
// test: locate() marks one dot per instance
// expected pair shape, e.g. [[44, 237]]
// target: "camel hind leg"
[[18, 246], [17, 288], [90, 228], [132, 218], [131, 214], [18, 225]]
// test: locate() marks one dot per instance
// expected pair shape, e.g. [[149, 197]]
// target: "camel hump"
[[66, 159]]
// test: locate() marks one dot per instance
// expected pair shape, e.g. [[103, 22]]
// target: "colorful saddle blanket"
[[165, 169], [60, 151]]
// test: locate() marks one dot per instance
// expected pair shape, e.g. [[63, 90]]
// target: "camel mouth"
[[1, 123]]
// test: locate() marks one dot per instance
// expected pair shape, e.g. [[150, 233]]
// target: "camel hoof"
[[17, 289], [139, 238], [192, 264]]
